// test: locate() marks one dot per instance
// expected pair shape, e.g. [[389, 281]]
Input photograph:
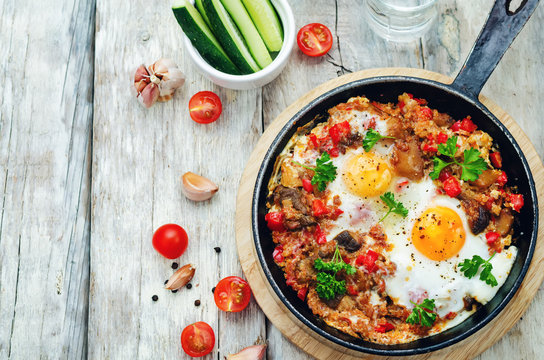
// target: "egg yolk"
[[366, 175], [438, 233]]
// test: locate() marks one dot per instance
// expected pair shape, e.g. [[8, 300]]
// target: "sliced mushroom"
[[334, 302], [478, 216], [347, 241], [504, 222]]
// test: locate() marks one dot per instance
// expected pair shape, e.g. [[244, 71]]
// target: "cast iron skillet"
[[458, 99]]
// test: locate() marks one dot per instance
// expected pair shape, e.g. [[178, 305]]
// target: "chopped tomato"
[[496, 159], [205, 107], [197, 339], [278, 254], [274, 220], [314, 39], [319, 235], [307, 185], [232, 294], [452, 187], [302, 293], [339, 131], [170, 241], [445, 174], [468, 125], [451, 315], [502, 179], [441, 138], [492, 237], [383, 328], [352, 290], [517, 201], [318, 208], [368, 260]]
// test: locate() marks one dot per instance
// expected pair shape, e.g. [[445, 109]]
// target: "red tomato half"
[[197, 339], [170, 241], [232, 294], [205, 107], [314, 39]]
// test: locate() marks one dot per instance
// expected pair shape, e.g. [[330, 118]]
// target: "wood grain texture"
[[139, 156], [45, 120], [321, 348]]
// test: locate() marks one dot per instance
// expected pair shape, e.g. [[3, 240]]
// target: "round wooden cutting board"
[[322, 348]]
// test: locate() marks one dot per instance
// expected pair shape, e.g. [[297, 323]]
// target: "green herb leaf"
[[394, 206], [327, 285], [439, 164], [470, 267], [450, 148], [422, 313], [473, 165], [371, 138]]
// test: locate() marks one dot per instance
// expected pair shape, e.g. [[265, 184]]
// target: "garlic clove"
[[172, 80], [162, 66], [254, 352], [141, 78], [149, 95], [197, 188], [181, 277]]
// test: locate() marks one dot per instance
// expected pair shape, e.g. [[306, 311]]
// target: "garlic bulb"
[[157, 82], [255, 352], [197, 188]]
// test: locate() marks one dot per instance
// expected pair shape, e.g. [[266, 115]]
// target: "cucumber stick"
[[253, 40], [202, 38], [267, 23], [200, 7], [229, 36]]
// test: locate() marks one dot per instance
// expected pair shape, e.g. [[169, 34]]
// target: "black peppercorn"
[[154, 298], [189, 285], [197, 302], [217, 249], [175, 265]]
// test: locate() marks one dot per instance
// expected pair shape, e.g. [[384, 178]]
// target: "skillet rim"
[[260, 181]]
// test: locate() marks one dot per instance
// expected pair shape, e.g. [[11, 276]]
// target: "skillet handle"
[[500, 30]]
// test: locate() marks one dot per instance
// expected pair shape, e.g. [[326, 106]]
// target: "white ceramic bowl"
[[262, 77]]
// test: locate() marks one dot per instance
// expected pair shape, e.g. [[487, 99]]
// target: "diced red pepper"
[[456, 126], [336, 213], [314, 140], [319, 236], [445, 174], [502, 179], [383, 328], [441, 138], [368, 260], [451, 315], [401, 105], [278, 254], [425, 113], [517, 201], [318, 208], [492, 237], [401, 185], [339, 131], [429, 148], [452, 186], [290, 280], [489, 203], [496, 159], [274, 220], [421, 101], [468, 125], [345, 259], [352, 290], [307, 185], [334, 152], [371, 124], [302, 293]]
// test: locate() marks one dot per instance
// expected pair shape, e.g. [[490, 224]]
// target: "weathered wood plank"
[[45, 122], [138, 158]]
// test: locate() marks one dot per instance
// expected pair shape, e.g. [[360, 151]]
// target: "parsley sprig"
[[324, 171], [472, 166], [470, 268], [422, 313], [394, 206], [327, 285], [371, 138]]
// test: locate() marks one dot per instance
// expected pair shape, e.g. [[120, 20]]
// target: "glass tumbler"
[[400, 20]]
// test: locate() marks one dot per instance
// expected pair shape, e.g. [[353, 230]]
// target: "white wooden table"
[[88, 174]]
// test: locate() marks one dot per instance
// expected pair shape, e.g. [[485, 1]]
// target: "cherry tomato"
[[232, 294], [197, 339], [205, 107], [170, 241], [314, 39]]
